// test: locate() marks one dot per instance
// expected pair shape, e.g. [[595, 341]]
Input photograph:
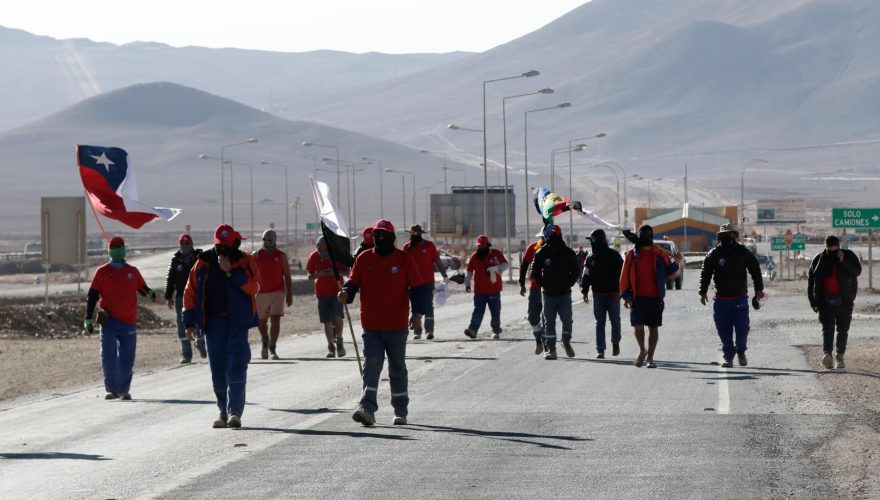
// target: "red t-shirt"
[[830, 285], [425, 254], [646, 274], [325, 286], [527, 259], [384, 288], [482, 284], [118, 289], [271, 264]]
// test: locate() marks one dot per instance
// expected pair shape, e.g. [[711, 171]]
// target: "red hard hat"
[[184, 238], [368, 235], [384, 225], [225, 235], [482, 240], [116, 242]]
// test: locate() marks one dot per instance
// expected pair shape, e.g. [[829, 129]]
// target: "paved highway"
[[488, 419]]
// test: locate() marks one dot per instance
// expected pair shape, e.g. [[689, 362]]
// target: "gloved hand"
[[586, 299], [151, 294], [522, 291], [467, 288], [89, 325], [703, 299], [289, 300]]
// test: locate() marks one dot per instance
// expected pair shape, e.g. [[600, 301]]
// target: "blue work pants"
[[732, 315], [118, 344], [228, 356]]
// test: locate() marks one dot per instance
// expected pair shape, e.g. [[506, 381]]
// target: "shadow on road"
[[309, 411], [52, 455], [512, 437], [175, 401], [315, 432], [466, 358]]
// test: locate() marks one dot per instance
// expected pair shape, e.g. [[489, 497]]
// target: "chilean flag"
[[109, 181]]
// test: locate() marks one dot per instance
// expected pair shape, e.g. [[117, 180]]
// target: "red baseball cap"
[[225, 235], [116, 242], [384, 225], [554, 229], [482, 240], [184, 238], [368, 235]]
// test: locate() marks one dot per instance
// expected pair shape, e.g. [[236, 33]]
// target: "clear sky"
[[392, 26]]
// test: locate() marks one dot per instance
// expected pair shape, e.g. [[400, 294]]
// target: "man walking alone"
[[831, 288], [728, 263]]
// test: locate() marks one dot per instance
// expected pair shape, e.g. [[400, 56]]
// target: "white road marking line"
[[723, 393]]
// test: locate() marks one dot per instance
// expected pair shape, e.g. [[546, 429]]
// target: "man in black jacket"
[[175, 283], [832, 287], [728, 263], [602, 272], [556, 269]]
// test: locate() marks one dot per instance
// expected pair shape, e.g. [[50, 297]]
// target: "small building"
[[698, 225], [460, 213]]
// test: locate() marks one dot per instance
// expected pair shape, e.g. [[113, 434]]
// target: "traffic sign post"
[[855, 218], [784, 243]]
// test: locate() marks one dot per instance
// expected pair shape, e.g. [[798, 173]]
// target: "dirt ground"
[[43, 351]]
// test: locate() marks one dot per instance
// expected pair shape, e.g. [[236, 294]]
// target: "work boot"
[[331, 351], [185, 361], [470, 333], [601, 355], [399, 419], [125, 396], [202, 352], [727, 363], [340, 349], [649, 363], [551, 354], [615, 349], [429, 335], [264, 353], [273, 355], [838, 362], [364, 416], [220, 423], [496, 335], [828, 361], [111, 395], [416, 327], [234, 422], [539, 346], [741, 358], [569, 351]]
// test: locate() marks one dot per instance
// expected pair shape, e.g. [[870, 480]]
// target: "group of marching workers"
[[222, 292]]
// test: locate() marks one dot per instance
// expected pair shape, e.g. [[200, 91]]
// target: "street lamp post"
[[742, 191], [286, 201], [413, 193], [445, 188], [381, 195], [308, 144], [223, 147], [527, 74], [526, 157], [571, 183], [617, 181], [296, 204], [506, 182]]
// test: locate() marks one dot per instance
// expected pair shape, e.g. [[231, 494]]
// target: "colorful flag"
[[110, 184], [332, 225], [550, 204]]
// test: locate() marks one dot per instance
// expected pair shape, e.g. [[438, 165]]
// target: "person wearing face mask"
[[330, 312], [832, 285], [602, 273], [556, 269], [220, 298], [117, 285], [427, 259], [485, 267], [175, 282], [536, 307], [389, 281], [643, 286], [728, 263], [366, 241], [276, 290]]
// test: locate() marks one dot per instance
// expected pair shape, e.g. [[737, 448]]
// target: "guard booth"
[[460, 213]]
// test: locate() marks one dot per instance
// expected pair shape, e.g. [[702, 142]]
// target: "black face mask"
[[384, 243], [233, 254], [415, 239], [482, 252], [726, 239], [556, 240]]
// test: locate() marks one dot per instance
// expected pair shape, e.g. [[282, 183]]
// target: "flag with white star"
[[109, 180]]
